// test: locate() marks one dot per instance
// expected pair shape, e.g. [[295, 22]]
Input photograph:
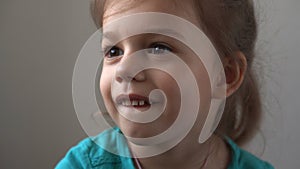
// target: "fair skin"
[[214, 153]]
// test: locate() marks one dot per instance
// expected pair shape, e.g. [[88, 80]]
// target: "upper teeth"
[[133, 103]]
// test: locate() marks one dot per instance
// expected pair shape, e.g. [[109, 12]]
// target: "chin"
[[136, 130]]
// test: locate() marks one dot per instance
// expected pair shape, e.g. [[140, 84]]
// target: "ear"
[[235, 68]]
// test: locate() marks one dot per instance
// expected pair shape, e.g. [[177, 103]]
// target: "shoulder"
[[241, 159], [89, 153]]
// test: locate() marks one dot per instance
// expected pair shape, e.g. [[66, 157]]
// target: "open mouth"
[[133, 100]]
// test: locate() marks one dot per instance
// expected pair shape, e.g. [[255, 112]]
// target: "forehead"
[[181, 8]]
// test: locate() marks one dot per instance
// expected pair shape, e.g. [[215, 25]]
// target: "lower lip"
[[144, 107]]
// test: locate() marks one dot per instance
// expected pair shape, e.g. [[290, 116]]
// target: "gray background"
[[39, 43]]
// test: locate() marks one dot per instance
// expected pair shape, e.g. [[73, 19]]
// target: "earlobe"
[[235, 68]]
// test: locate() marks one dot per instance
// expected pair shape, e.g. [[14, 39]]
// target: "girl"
[[231, 27]]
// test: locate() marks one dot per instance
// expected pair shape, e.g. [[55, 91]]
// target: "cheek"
[[105, 85], [105, 89], [171, 89], [204, 87], [167, 84], [201, 75]]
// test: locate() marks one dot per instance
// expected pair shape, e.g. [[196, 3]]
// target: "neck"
[[190, 154]]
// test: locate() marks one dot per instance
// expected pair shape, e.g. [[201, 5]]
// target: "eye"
[[113, 52], [159, 48]]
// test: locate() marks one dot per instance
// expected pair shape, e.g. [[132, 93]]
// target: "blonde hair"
[[231, 26]]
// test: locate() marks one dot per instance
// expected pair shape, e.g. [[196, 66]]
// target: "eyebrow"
[[167, 32], [110, 35]]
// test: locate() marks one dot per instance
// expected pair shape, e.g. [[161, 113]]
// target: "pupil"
[[115, 52]]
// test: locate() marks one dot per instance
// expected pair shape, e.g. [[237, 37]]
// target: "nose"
[[130, 68]]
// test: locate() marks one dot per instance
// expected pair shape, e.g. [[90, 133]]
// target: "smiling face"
[[115, 77]]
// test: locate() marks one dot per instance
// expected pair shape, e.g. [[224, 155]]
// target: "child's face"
[[146, 81]]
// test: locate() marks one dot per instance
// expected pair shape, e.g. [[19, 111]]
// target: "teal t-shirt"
[[89, 155]]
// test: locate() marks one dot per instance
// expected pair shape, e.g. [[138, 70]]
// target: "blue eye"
[[114, 52], [159, 48]]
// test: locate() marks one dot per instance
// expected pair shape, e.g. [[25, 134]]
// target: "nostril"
[[128, 70], [124, 78], [119, 79], [140, 76]]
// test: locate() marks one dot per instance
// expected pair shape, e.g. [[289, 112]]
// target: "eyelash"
[[155, 48], [161, 47]]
